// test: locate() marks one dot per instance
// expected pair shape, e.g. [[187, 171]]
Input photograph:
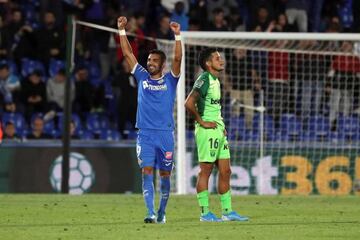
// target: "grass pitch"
[[121, 217]]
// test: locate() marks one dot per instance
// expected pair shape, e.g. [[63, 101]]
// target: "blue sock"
[[148, 192], [164, 193]]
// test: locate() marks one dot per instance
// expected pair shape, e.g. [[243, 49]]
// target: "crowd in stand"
[[103, 92]]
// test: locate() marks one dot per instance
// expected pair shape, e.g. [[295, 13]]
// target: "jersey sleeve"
[[201, 85], [173, 80], [139, 72]]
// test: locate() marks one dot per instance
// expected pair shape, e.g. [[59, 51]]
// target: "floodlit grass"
[[104, 216]]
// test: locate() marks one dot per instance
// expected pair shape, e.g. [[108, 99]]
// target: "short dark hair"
[[160, 53], [9, 123], [217, 10], [4, 66], [204, 56]]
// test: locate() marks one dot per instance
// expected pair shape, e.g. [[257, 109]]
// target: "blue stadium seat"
[[28, 66], [108, 90], [86, 135], [336, 137], [290, 125], [319, 125], [94, 69], [349, 126], [12, 65], [190, 135], [95, 122], [16, 118], [55, 65], [309, 136], [132, 135], [55, 133], [74, 117], [110, 135]]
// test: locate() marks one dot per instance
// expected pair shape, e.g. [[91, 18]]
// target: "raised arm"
[[176, 63], [124, 43], [190, 105]]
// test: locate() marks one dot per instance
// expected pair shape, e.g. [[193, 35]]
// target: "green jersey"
[[208, 105]]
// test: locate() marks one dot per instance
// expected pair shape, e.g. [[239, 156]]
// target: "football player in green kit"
[[204, 104]]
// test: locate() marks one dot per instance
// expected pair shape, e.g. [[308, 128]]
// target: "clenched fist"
[[122, 21], [175, 27]]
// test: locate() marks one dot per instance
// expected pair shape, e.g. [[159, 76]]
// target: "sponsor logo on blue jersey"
[[151, 87]]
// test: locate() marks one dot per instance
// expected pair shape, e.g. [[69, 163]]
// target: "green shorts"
[[211, 144]]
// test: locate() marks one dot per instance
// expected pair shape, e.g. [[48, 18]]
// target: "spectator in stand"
[[84, 92], [55, 91], [50, 40], [10, 132], [5, 43], [37, 129], [254, 6], [218, 22], [235, 21], [343, 77], [169, 5], [262, 22], [179, 16], [198, 12], [244, 81], [278, 84], [33, 94], [194, 25], [15, 24], [127, 105], [314, 12], [24, 44], [345, 14], [73, 133], [163, 31], [225, 5], [10, 107], [296, 11], [309, 77], [140, 20], [9, 83], [280, 25]]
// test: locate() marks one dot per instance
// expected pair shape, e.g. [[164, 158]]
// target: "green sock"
[[203, 199], [225, 200]]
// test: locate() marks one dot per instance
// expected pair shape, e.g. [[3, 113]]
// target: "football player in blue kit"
[[154, 118]]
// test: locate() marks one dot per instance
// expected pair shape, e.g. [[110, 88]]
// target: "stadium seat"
[[310, 136], [85, 135], [110, 135], [74, 117], [349, 126], [28, 66], [132, 135], [55, 65], [95, 122], [190, 135], [290, 126], [94, 70], [12, 65], [336, 137], [17, 118], [319, 125]]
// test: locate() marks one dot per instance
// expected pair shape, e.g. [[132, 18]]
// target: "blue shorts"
[[155, 148]]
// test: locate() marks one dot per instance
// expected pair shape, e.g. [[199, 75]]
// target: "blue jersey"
[[155, 100]]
